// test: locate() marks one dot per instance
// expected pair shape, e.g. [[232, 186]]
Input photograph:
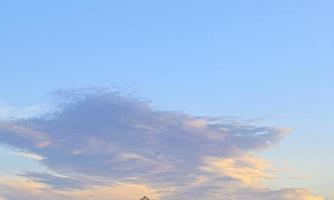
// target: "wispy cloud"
[[101, 144], [10, 112]]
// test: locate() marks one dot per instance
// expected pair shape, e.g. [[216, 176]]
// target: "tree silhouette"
[[144, 198]]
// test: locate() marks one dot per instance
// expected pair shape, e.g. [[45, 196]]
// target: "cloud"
[[97, 138], [298, 177], [239, 178], [22, 189], [248, 169], [9, 112]]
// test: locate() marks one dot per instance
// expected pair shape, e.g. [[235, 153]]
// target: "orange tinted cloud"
[[20, 188]]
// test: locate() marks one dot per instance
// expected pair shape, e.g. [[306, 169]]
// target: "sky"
[[169, 99]]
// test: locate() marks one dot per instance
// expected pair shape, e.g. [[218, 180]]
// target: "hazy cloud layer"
[[98, 141]]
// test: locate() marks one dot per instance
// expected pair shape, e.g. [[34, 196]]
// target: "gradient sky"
[[267, 63]]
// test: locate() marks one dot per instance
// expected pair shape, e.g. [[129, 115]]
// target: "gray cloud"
[[98, 137]]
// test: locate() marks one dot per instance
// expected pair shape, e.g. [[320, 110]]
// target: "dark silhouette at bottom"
[[144, 198]]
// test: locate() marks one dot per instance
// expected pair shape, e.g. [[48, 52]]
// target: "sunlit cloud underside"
[[99, 145]]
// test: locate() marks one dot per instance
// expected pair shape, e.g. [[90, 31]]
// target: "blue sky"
[[268, 60]]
